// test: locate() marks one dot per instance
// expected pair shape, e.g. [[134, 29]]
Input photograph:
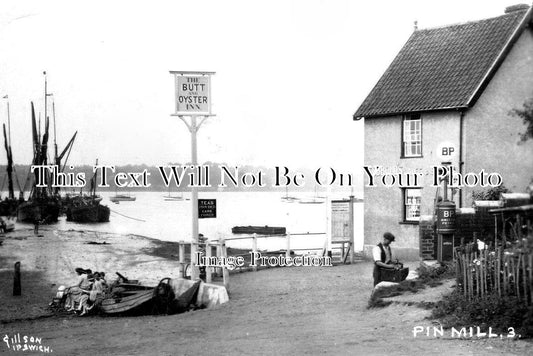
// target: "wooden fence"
[[222, 252], [505, 272]]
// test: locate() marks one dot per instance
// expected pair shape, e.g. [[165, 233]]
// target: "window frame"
[[405, 209], [405, 118]]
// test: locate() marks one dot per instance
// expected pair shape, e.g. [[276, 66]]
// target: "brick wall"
[[471, 224], [474, 224], [428, 238]]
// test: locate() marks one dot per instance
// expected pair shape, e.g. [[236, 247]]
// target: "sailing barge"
[[8, 206], [87, 208], [44, 203]]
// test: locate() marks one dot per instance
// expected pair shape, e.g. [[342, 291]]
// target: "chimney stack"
[[517, 7]]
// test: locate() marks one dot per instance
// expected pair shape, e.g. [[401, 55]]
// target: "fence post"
[[254, 250], [465, 274], [505, 273], [288, 251], [517, 276], [497, 272], [225, 272], [457, 266], [208, 270], [476, 271], [181, 249], [524, 277], [17, 289], [470, 276], [530, 263], [219, 255]]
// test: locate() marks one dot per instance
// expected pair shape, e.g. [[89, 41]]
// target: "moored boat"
[[44, 202], [45, 211], [122, 197], [263, 230], [87, 208], [312, 201], [8, 206]]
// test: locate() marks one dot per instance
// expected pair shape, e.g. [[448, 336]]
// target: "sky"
[[289, 74]]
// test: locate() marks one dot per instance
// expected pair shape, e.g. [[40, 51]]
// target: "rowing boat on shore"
[[133, 297], [127, 301]]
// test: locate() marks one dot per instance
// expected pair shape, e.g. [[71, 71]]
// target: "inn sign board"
[[193, 94]]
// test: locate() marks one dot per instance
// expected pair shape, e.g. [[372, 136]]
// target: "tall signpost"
[[193, 100]]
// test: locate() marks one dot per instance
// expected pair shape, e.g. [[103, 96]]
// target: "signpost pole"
[[195, 273], [193, 98], [352, 240]]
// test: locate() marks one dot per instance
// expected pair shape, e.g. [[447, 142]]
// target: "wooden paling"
[[480, 273]]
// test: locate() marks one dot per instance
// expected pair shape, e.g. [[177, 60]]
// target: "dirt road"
[[276, 311]]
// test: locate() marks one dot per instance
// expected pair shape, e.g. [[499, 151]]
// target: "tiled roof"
[[442, 68]]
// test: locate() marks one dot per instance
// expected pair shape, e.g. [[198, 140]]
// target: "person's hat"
[[60, 292], [389, 236]]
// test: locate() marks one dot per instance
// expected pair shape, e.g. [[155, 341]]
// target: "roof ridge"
[[444, 69], [514, 13]]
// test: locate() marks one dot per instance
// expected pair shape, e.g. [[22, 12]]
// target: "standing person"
[[382, 257]]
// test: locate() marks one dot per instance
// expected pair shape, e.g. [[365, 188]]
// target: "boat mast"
[[55, 142], [93, 181], [21, 191], [7, 140], [9, 165], [8, 121]]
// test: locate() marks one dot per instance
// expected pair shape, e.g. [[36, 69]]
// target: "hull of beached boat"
[[127, 301], [90, 213], [45, 211]]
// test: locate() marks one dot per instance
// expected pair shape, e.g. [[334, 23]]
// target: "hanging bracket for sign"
[[193, 93]]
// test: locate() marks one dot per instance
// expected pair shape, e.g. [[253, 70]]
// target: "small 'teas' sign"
[[193, 94], [207, 208]]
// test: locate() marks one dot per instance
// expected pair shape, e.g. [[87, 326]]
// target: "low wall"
[[209, 295], [428, 238], [401, 253], [471, 224]]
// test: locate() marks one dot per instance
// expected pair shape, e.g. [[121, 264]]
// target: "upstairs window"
[[412, 136], [412, 199]]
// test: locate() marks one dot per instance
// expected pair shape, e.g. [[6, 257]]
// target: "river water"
[[151, 215]]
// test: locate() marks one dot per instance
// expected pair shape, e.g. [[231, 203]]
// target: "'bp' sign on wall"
[[193, 95], [446, 151]]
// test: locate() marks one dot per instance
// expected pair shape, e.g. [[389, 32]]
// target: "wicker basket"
[[394, 275]]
